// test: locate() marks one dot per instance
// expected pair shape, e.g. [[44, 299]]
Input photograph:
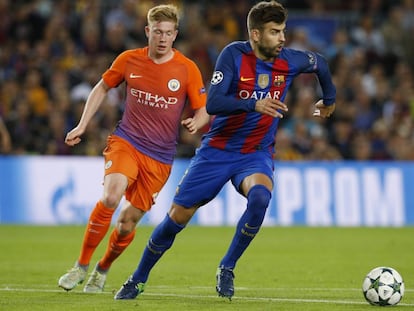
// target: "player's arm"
[[197, 121], [325, 107], [325, 80], [196, 93], [111, 78], [316, 63], [92, 104]]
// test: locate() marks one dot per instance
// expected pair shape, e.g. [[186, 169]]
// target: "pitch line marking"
[[264, 299]]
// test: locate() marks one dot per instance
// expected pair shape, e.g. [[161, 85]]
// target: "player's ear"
[[255, 34], [147, 30]]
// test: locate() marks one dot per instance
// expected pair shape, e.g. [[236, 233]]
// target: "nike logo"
[[134, 76], [243, 79]]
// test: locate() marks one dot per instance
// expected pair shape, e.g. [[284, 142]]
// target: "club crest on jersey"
[[174, 85], [108, 164], [263, 80], [279, 80]]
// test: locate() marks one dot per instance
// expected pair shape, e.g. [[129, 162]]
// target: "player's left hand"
[[322, 110], [190, 125]]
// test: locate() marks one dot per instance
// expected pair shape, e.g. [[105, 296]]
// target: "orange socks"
[[117, 244], [96, 229]]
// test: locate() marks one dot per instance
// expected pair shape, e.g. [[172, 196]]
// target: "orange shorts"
[[146, 176]]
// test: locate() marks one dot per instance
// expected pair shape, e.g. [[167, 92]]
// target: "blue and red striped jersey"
[[240, 79]]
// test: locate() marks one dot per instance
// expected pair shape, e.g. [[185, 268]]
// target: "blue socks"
[[164, 234], [161, 240], [249, 224]]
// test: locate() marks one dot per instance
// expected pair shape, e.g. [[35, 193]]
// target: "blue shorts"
[[210, 169]]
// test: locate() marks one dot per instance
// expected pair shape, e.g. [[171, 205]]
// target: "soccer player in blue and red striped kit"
[[248, 87]]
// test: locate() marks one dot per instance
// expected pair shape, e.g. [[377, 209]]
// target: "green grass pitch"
[[285, 268]]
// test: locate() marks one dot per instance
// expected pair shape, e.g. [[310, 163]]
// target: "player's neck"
[[161, 58], [263, 57]]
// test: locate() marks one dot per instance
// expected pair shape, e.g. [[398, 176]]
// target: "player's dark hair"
[[265, 12]]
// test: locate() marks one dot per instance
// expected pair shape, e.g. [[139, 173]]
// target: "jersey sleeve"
[[311, 62], [115, 75], [219, 99], [196, 90]]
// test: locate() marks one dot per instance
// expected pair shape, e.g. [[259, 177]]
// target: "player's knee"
[[125, 228], [125, 225], [258, 198], [111, 200], [128, 218]]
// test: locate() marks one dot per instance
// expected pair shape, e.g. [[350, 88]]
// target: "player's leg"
[[140, 196], [121, 236], [160, 241], [119, 166], [249, 224], [198, 186], [96, 229], [101, 217], [257, 189], [258, 198]]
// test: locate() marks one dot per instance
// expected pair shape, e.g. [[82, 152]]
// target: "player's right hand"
[[190, 125], [271, 107], [73, 137]]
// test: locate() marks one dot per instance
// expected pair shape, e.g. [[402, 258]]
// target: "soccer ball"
[[383, 286]]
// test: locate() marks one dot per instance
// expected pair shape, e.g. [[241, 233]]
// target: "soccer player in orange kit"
[[140, 151]]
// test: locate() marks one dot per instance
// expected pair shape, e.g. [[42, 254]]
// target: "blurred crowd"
[[53, 52]]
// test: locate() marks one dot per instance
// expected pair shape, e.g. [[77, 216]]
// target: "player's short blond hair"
[[163, 13]]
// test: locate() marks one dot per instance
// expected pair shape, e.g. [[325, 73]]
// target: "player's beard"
[[268, 52]]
